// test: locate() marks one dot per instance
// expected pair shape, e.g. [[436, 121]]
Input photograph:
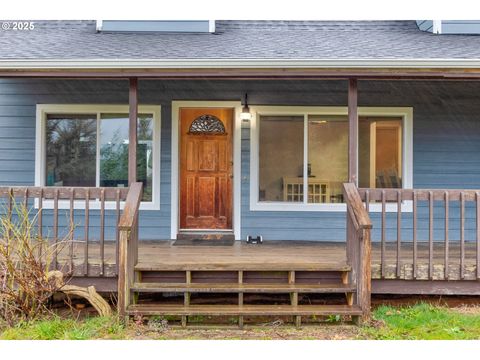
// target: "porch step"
[[234, 265], [232, 310], [242, 288]]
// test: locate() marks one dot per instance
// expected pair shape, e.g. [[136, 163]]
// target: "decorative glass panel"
[[114, 151], [281, 158], [207, 124], [71, 146], [327, 166]]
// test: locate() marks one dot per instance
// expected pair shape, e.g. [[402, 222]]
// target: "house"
[[350, 148]]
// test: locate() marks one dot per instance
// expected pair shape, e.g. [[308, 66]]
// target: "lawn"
[[420, 321]]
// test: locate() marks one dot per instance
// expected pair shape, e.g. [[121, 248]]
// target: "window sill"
[[407, 207], [93, 205]]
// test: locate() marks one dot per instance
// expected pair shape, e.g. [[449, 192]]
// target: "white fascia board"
[[236, 63]]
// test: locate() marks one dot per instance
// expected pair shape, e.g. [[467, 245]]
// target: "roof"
[[242, 41]]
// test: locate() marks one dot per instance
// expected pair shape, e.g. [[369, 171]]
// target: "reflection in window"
[[281, 158], [114, 151], [71, 150], [327, 166]]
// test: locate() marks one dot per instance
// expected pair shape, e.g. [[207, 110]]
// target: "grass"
[[421, 321], [66, 329]]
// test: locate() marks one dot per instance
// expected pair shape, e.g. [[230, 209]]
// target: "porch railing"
[[128, 246], [82, 221], [358, 246], [424, 234]]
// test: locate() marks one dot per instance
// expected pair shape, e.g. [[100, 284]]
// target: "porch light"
[[245, 115]]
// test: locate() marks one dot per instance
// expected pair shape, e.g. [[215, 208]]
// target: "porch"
[[141, 271]]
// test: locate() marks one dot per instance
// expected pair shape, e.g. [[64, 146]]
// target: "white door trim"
[[237, 138]]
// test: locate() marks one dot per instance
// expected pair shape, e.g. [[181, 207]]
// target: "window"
[[300, 155], [281, 158], [87, 145], [71, 150]]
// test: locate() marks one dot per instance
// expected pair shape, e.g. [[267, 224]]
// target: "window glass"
[[380, 152], [281, 158], [71, 143], [327, 166], [114, 151], [282, 165]]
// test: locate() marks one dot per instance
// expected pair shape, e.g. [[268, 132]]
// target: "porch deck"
[[162, 255]]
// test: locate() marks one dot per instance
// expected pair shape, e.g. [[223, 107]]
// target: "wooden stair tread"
[[218, 310], [250, 265], [234, 288]]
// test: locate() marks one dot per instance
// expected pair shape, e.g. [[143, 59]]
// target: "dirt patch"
[[467, 309], [320, 332], [408, 300]]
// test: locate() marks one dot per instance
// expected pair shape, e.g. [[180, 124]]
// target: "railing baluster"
[[40, 222], [414, 215], [430, 235], [55, 228], [25, 198], [102, 232], [399, 232], [477, 200], [86, 228], [446, 261], [462, 235], [72, 229], [383, 236], [10, 211], [367, 200], [117, 231]]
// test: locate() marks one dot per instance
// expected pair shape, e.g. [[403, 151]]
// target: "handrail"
[[358, 238], [132, 204], [128, 246], [355, 206]]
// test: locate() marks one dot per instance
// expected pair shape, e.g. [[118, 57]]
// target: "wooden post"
[[352, 131], [132, 131]]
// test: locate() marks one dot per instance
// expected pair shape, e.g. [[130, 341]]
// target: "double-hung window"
[[87, 146], [299, 158]]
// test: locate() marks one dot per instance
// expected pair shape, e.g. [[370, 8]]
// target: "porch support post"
[[352, 131], [132, 131]]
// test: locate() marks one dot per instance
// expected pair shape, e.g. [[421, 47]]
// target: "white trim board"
[[339, 63], [406, 113], [237, 138], [40, 152]]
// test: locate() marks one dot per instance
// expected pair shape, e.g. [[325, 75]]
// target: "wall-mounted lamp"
[[245, 115]]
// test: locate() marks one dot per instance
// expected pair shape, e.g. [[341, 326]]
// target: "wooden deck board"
[[259, 310], [242, 288]]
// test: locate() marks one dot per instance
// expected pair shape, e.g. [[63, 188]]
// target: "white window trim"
[[40, 149], [406, 113], [237, 166]]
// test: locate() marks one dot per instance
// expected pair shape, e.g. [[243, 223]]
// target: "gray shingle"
[[241, 40]]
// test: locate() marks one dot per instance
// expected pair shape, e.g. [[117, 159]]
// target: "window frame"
[[405, 113], [41, 154]]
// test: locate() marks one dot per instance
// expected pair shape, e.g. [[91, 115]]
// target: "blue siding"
[[446, 141]]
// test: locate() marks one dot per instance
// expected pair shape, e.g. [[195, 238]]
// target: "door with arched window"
[[206, 168]]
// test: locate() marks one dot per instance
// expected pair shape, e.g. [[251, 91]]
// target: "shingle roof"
[[241, 40]]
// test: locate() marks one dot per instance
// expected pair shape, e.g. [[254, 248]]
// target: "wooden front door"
[[206, 167]]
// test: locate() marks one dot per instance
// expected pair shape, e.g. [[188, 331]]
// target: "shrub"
[[25, 260]]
